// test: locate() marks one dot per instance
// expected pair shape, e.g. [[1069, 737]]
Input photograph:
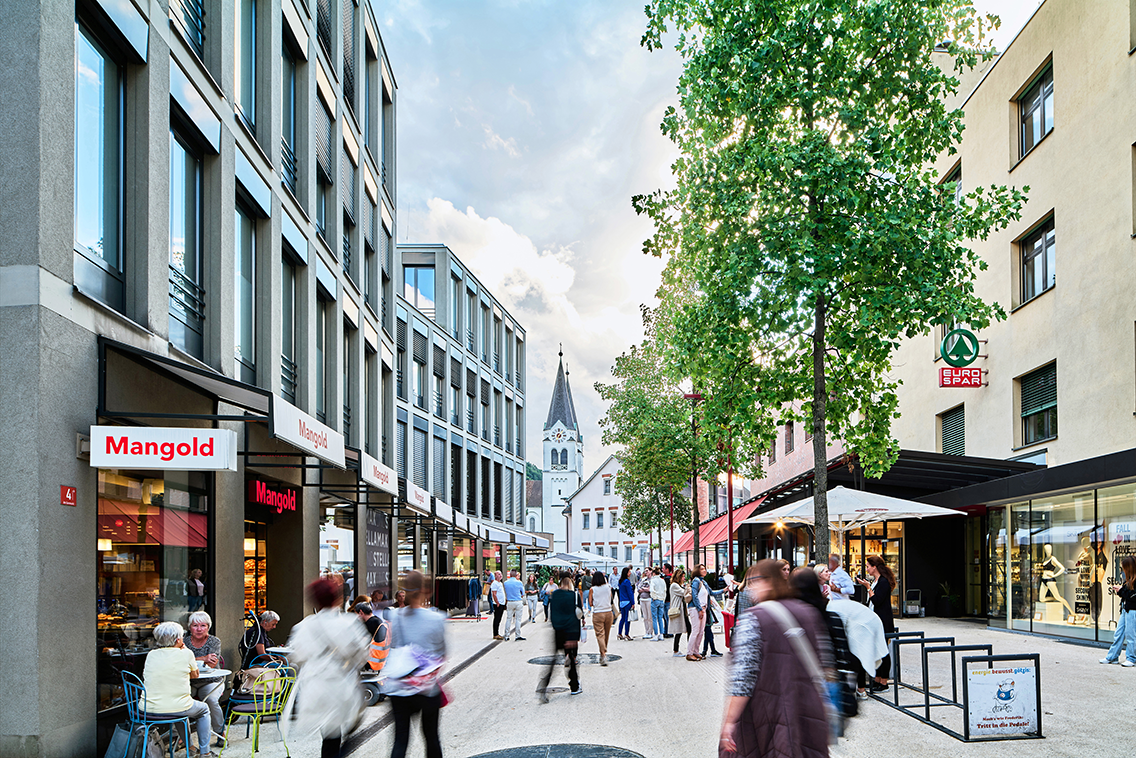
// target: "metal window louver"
[[439, 362], [470, 382], [349, 32], [400, 335], [400, 448], [324, 139], [323, 26], [1039, 390], [954, 432], [420, 346], [455, 373], [420, 458], [439, 488], [484, 392]]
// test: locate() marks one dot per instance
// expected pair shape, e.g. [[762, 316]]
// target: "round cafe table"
[[279, 650], [205, 675]]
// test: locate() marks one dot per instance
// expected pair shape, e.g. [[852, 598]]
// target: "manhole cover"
[[561, 751], [581, 659]]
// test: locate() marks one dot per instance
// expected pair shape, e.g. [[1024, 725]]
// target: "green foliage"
[[532, 471], [808, 233]]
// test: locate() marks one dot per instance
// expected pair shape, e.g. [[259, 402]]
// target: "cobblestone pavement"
[[658, 706]]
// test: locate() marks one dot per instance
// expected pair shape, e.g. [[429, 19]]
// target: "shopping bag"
[[118, 741], [634, 613], [583, 634]]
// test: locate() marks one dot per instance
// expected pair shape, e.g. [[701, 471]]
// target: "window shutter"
[[420, 458], [369, 225], [347, 185], [470, 382], [455, 373], [439, 362], [1039, 390], [954, 436], [439, 467], [509, 496], [349, 52], [484, 392], [400, 335], [400, 449], [325, 138], [420, 347]]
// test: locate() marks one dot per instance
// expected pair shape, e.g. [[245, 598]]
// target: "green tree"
[[808, 220], [649, 419], [532, 471]]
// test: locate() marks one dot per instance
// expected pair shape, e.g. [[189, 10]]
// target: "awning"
[[714, 531], [135, 523]]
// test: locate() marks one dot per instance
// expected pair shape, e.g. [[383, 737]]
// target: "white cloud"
[[493, 140]]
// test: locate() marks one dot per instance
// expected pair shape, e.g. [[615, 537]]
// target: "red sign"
[[280, 500], [67, 495], [960, 377]]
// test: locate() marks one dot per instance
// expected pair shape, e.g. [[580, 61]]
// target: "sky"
[[524, 129]]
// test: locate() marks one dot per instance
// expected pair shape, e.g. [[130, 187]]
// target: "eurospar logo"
[[318, 439]]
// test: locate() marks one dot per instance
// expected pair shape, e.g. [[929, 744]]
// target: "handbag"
[[583, 634], [634, 613]]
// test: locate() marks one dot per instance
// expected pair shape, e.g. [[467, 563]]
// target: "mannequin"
[[1050, 568]]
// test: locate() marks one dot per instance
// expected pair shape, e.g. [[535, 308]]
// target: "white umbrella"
[[852, 509], [554, 562], [584, 556]]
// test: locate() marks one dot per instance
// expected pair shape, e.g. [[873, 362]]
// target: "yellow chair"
[[270, 692]]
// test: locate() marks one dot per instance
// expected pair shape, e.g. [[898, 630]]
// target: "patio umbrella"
[[583, 556], [554, 562], [852, 509]]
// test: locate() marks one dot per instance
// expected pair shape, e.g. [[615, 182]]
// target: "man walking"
[[659, 606], [514, 605], [497, 598], [840, 584]]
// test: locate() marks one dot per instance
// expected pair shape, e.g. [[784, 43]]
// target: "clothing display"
[[453, 592]]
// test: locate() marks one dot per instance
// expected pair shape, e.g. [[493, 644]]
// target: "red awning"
[[134, 523], [713, 532]]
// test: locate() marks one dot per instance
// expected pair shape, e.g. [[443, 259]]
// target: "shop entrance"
[[884, 539], [975, 549]]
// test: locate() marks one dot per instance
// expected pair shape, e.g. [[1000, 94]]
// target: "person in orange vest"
[[379, 630]]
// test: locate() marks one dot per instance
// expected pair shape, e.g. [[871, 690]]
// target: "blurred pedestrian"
[[775, 704], [679, 619], [566, 619], [599, 598], [546, 594], [421, 631]]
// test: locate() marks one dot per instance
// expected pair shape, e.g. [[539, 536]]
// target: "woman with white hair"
[[167, 674], [207, 649]]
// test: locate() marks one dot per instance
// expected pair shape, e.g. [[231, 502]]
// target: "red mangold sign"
[[960, 377]]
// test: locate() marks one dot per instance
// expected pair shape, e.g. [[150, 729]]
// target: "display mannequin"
[[1050, 568]]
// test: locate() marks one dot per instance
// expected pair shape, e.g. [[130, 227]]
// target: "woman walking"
[[880, 589], [423, 630], [774, 701], [1125, 634], [566, 617], [546, 595], [532, 596], [679, 621], [331, 647], [599, 597], [626, 603]]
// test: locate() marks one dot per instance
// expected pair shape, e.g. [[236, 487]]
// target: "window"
[[1036, 107], [323, 189], [599, 519], [189, 16], [599, 550], [455, 405], [187, 303], [1039, 261], [955, 178], [627, 552], [564, 457], [420, 463], [245, 289], [345, 384], [288, 330], [99, 108], [586, 521], [246, 61], [953, 434], [321, 359], [370, 400], [773, 451], [1039, 405], [324, 26], [418, 288], [418, 384], [607, 486], [532, 523], [471, 312], [455, 307], [788, 437], [400, 448], [288, 110], [349, 15]]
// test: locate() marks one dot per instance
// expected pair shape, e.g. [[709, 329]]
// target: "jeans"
[[209, 692], [1125, 636], [198, 712], [570, 648], [514, 614], [625, 619], [659, 615], [498, 612], [545, 609], [708, 640], [532, 601], [403, 709]]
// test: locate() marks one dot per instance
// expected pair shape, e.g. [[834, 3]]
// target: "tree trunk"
[[820, 444]]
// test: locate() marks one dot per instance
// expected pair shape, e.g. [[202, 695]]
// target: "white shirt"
[[844, 584], [658, 588], [498, 590]]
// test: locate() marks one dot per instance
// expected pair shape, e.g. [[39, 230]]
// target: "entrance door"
[[975, 547]]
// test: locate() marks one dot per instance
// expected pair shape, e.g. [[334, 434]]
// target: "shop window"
[[1039, 405], [953, 431], [1036, 109], [153, 549], [187, 295], [256, 566], [337, 546], [99, 136]]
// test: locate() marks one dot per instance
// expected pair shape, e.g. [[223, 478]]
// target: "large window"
[[246, 60], [288, 330], [1036, 107], [187, 303], [322, 307], [455, 307], [599, 519], [288, 108], [245, 290], [98, 170], [1039, 405], [418, 288], [587, 524], [1039, 261]]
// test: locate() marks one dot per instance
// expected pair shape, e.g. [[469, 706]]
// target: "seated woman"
[[207, 649], [256, 640], [167, 674]]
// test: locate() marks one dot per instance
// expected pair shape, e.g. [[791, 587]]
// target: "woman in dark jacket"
[[626, 603], [566, 615], [880, 590]]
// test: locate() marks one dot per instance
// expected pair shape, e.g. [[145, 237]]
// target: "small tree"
[[807, 216]]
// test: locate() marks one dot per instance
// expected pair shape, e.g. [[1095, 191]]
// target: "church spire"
[[562, 408]]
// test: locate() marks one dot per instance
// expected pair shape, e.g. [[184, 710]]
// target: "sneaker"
[[520, 639], [861, 695], [1106, 660], [1127, 663], [715, 654], [576, 691], [603, 660], [679, 655]]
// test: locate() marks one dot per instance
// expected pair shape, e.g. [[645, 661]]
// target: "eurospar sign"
[[163, 448], [959, 349]]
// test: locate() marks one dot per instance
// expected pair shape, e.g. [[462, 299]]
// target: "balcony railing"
[[497, 436], [485, 434], [439, 406], [347, 255], [455, 418], [187, 306], [399, 387], [469, 339], [288, 378], [288, 165], [519, 452], [347, 423], [469, 425], [420, 401], [384, 449], [497, 362], [189, 15]]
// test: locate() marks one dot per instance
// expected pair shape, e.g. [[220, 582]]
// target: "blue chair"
[[135, 692]]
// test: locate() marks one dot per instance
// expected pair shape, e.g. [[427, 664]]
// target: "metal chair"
[[244, 698], [269, 695], [135, 692]]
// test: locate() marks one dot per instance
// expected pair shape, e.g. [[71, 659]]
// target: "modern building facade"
[[205, 344]]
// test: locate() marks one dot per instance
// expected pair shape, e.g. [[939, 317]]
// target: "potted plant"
[[948, 601]]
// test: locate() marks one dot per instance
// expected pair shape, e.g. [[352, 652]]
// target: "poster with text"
[[1002, 701], [378, 557]]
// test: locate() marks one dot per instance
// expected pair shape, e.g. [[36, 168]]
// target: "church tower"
[[563, 465]]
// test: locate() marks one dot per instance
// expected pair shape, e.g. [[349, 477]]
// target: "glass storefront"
[[464, 561], [884, 539], [1054, 562], [256, 566], [513, 558], [492, 553], [154, 564], [337, 540], [405, 548]]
